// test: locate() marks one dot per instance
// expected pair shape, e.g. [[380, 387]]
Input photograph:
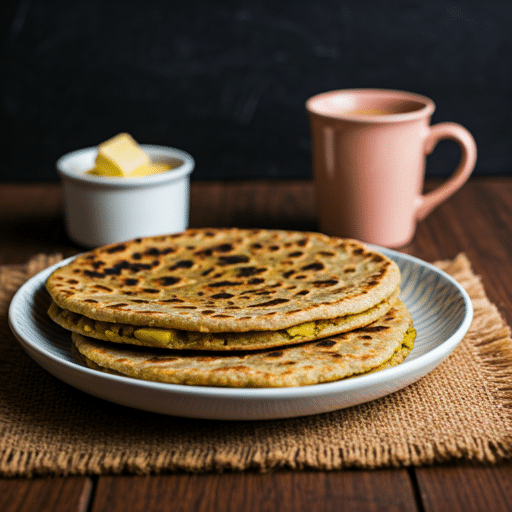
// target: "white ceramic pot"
[[100, 210]]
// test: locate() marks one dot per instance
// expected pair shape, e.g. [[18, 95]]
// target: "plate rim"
[[434, 356]]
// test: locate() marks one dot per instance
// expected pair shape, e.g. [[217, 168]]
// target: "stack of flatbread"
[[233, 307]]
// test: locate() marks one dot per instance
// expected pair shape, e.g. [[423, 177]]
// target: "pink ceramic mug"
[[369, 148]]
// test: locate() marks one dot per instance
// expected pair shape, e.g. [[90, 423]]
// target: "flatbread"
[[225, 280], [191, 340], [382, 344]]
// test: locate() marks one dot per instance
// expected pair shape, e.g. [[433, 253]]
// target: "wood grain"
[[358, 491], [71, 494], [253, 204], [31, 222], [466, 488]]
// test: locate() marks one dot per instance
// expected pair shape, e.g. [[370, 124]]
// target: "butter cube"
[[122, 156]]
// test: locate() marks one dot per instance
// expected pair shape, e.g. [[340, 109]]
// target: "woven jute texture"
[[460, 411]]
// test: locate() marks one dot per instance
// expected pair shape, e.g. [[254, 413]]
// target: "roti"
[[191, 340], [383, 344], [218, 281]]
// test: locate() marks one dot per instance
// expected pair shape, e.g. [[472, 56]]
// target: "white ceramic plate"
[[441, 310]]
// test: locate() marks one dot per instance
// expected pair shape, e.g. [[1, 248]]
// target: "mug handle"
[[426, 203]]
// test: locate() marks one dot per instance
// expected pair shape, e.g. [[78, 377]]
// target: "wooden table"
[[477, 220]]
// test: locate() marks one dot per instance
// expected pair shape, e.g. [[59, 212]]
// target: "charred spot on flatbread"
[[298, 276], [354, 353]]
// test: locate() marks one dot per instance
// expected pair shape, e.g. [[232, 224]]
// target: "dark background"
[[227, 80]]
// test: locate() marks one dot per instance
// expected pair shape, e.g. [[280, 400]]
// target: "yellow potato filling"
[[179, 339]]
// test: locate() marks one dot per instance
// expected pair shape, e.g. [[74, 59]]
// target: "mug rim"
[[426, 109]]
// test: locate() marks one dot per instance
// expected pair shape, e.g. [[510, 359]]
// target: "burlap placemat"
[[460, 411]]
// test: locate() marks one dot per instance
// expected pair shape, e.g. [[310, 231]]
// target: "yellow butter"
[[305, 329], [158, 337], [153, 168], [122, 156]]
